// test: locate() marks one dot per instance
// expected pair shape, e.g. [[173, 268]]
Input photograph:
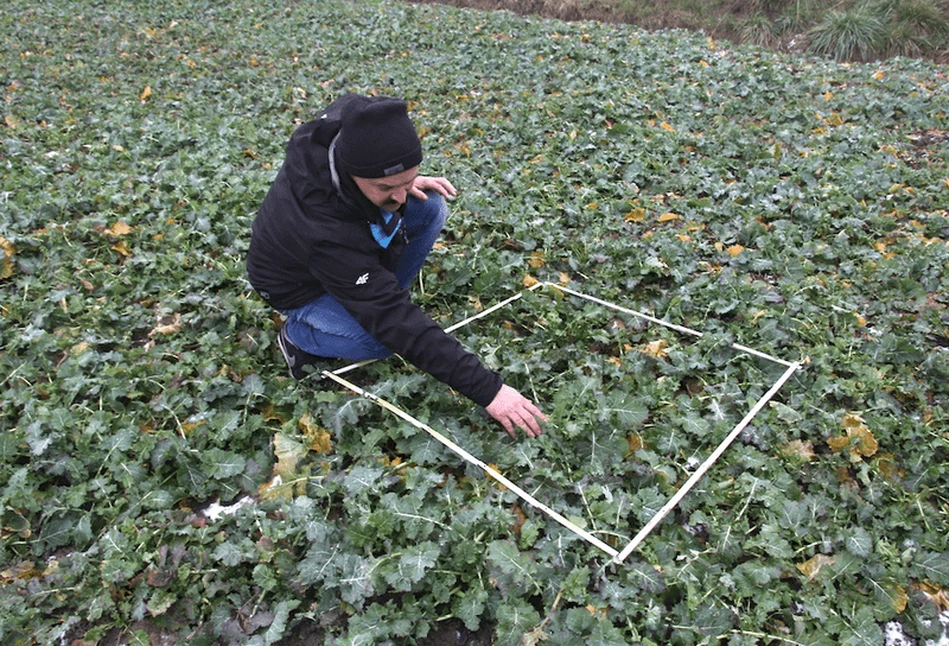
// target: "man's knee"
[[426, 214]]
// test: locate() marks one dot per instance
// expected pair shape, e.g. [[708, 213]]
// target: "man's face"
[[389, 192]]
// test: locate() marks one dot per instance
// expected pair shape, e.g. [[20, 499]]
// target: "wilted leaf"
[[534, 637], [122, 249], [657, 349], [167, 325], [318, 439], [858, 438], [536, 260], [636, 215], [118, 229], [812, 567], [8, 250], [899, 597], [798, 448], [635, 443], [284, 483]]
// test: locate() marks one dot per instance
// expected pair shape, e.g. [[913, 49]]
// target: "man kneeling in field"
[[345, 228]]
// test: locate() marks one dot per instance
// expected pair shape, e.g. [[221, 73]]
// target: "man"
[[345, 228]]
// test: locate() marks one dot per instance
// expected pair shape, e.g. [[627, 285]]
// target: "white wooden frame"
[[617, 556]]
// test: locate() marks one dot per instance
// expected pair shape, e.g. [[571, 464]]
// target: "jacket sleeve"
[[370, 293]]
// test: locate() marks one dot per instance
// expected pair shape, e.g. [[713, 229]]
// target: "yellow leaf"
[[188, 427], [536, 260], [21, 571], [318, 439], [79, 348], [801, 449], [529, 281], [657, 349], [852, 420], [665, 126], [899, 599], [879, 75], [812, 567], [564, 278], [119, 229], [493, 468], [668, 217], [684, 238], [11, 121], [593, 205], [858, 438], [828, 95], [146, 94], [285, 479], [636, 215], [122, 249], [635, 443], [6, 267], [887, 467], [734, 250], [534, 636], [937, 595], [838, 443], [167, 325]]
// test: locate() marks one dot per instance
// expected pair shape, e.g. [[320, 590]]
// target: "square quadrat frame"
[[617, 556]]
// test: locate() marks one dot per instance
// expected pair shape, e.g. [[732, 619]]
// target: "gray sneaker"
[[295, 357]]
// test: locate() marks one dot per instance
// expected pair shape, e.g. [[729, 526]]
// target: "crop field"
[[164, 481]]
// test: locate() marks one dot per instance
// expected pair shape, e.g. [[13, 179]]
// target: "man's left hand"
[[440, 185]]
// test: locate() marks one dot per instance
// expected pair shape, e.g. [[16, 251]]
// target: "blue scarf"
[[384, 233]]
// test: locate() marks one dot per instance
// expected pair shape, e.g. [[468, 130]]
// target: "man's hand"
[[424, 183], [512, 409]]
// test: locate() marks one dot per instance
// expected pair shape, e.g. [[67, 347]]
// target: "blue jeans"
[[324, 328]]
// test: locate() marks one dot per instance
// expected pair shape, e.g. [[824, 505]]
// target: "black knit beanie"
[[378, 139]]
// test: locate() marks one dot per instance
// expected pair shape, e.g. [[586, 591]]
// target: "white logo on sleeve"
[[362, 280]]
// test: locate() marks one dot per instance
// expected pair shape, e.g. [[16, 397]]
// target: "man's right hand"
[[512, 409]]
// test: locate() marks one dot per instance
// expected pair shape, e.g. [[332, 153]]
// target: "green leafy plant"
[[163, 480]]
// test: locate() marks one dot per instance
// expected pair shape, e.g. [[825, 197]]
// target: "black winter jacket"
[[312, 237]]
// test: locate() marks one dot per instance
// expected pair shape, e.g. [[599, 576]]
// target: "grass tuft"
[[849, 34]]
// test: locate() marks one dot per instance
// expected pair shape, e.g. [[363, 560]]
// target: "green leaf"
[[415, 562], [859, 542], [933, 566], [469, 605], [278, 627], [861, 630], [223, 464], [515, 617]]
